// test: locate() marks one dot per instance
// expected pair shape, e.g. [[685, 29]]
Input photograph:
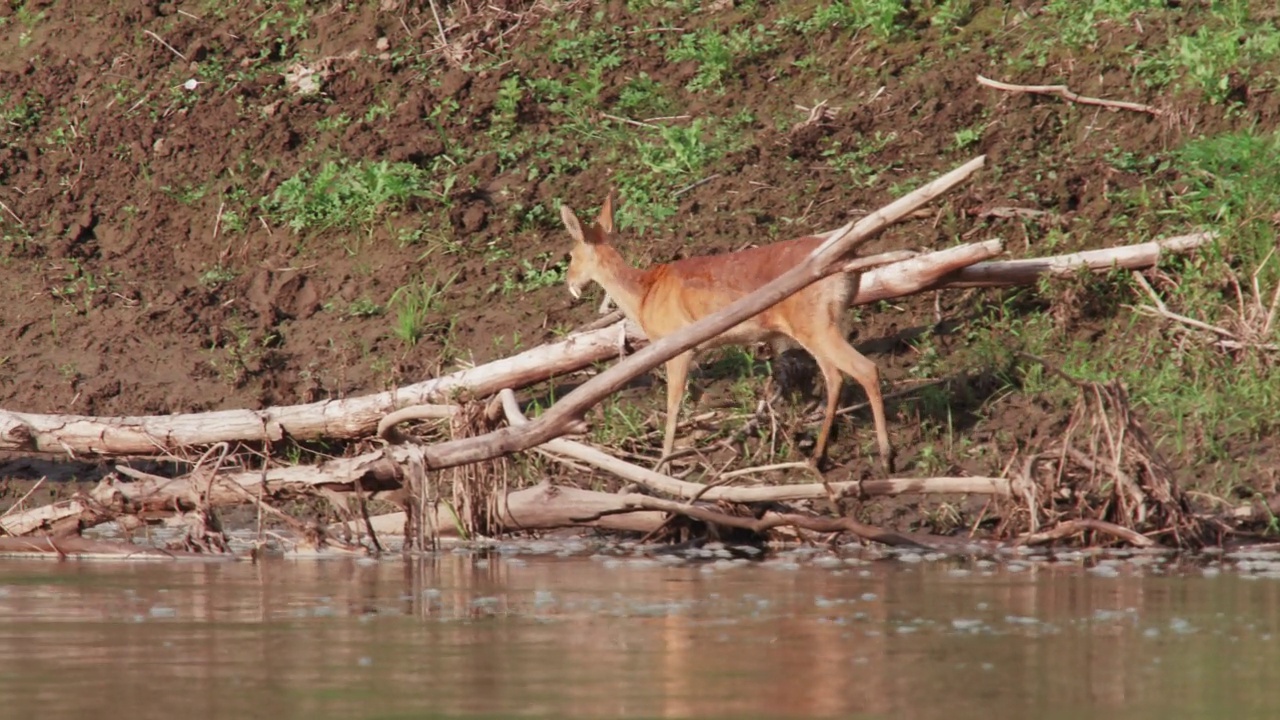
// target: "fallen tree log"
[[900, 278], [382, 475], [378, 474], [59, 518], [1004, 273], [541, 507], [352, 417], [84, 548], [544, 506]]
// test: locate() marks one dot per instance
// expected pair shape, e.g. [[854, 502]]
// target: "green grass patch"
[[1223, 56], [541, 272], [348, 195], [1077, 22], [883, 18], [1201, 397], [717, 53], [21, 115], [857, 162]]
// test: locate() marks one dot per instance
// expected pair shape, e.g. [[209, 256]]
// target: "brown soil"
[[106, 307]]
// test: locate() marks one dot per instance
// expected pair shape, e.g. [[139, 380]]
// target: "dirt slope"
[[149, 264]]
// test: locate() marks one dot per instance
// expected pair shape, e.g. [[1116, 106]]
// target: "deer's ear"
[[605, 221], [571, 223]]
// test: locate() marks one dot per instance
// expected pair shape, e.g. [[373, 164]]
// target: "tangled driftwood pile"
[[1104, 479]]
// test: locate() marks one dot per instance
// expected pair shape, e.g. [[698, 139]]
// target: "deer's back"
[[682, 292]]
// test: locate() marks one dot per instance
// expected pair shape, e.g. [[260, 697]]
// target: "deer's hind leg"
[[834, 354]]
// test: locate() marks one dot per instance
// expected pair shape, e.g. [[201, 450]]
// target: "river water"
[[534, 631]]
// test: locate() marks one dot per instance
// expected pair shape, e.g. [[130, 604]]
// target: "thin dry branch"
[[685, 490], [1063, 92], [772, 520], [1071, 527], [167, 46], [388, 431], [1163, 310]]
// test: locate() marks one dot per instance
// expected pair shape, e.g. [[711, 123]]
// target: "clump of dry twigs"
[[1252, 321], [1104, 479]]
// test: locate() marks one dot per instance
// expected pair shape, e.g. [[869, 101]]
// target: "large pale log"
[[546, 506], [1004, 273], [541, 507], [46, 518], [919, 274], [922, 272], [351, 417], [84, 548], [374, 473]]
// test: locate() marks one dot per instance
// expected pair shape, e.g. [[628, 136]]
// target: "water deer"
[[667, 297]]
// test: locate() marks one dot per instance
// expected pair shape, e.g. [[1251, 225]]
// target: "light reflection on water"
[[584, 637]]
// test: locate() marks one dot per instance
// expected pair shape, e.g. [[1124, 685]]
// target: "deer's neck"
[[625, 284]]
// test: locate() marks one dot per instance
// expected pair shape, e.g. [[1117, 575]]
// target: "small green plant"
[[1212, 55], [348, 195], [716, 53], [950, 14], [575, 44], [333, 123], [243, 351], [21, 116], [1078, 20], [621, 421], [881, 17], [79, 286], [533, 217], [377, 111], [288, 20], [966, 138], [681, 152], [857, 160], [233, 221], [643, 96], [507, 105], [28, 19], [364, 307], [414, 304], [444, 110], [60, 137], [186, 194], [531, 275], [216, 276]]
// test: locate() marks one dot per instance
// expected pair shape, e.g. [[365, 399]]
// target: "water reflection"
[[459, 634]]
